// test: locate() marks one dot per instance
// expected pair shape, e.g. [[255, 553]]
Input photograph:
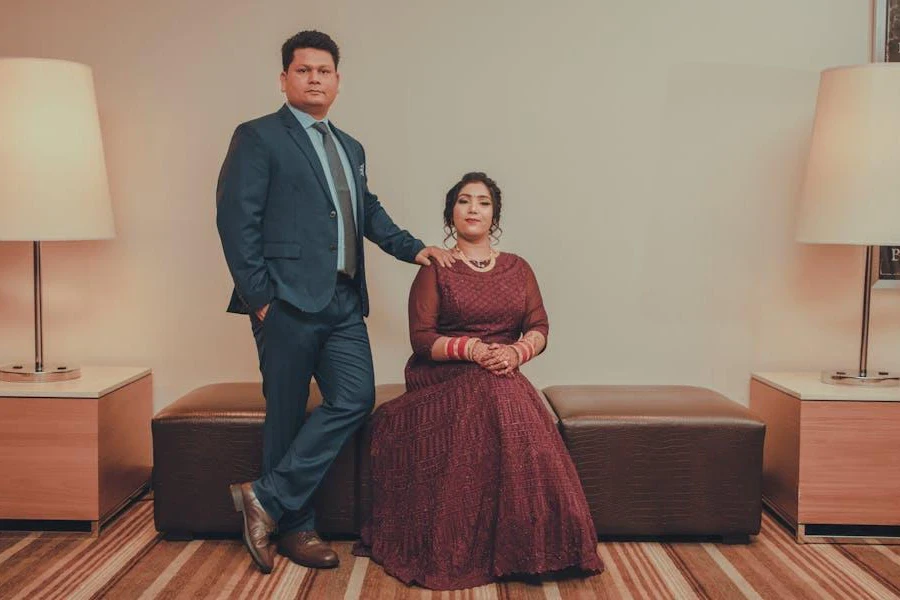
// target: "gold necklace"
[[478, 265]]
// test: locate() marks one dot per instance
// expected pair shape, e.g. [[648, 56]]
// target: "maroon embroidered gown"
[[470, 477]]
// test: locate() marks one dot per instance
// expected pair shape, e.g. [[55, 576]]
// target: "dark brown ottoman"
[[664, 460], [212, 437]]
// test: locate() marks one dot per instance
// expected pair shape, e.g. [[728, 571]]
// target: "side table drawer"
[[850, 463], [48, 458]]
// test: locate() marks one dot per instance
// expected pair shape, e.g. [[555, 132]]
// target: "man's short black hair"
[[308, 39]]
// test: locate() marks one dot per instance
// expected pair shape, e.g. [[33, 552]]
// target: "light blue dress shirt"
[[315, 137]]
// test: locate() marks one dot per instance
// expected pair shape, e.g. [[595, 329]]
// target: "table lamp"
[[53, 182], [851, 192]]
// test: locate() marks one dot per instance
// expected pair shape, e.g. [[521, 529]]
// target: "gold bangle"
[[518, 352], [470, 349]]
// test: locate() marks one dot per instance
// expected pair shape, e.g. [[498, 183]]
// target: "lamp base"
[[27, 373], [872, 378]]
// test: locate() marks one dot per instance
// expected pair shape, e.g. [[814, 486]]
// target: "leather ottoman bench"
[[664, 460], [212, 437]]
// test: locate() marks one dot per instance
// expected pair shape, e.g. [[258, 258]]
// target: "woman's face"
[[473, 212]]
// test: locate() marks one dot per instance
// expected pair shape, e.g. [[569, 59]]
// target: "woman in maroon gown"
[[470, 478]]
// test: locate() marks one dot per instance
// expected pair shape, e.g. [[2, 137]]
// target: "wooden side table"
[[75, 450], [831, 465]]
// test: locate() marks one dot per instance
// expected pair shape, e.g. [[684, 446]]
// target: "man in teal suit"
[[293, 207]]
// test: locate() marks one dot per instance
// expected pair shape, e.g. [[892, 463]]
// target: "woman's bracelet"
[[461, 348], [525, 351]]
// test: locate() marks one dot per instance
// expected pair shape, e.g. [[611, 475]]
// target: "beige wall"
[[649, 154]]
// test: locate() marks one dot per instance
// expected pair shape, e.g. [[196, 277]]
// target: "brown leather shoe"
[[257, 525], [307, 548]]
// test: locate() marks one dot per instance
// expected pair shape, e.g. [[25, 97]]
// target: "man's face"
[[311, 81]]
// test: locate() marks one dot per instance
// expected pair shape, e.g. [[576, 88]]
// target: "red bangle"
[[525, 350], [463, 342], [456, 349]]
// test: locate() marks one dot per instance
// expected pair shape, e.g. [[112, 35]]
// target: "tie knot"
[[321, 127]]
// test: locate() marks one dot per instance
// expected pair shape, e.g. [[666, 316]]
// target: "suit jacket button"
[[332, 247], [332, 214]]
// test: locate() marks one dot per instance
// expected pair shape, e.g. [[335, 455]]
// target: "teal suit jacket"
[[277, 221]]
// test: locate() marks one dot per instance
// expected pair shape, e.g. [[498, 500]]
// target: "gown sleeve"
[[535, 314], [424, 307]]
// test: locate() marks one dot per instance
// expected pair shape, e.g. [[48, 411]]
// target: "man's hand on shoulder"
[[429, 253]]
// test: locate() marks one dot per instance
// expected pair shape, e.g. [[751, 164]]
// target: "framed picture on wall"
[[889, 263], [892, 45], [887, 270]]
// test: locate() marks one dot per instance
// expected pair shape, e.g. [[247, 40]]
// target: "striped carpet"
[[131, 561]]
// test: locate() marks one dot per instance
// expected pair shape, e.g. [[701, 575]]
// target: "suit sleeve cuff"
[[417, 247], [257, 300]]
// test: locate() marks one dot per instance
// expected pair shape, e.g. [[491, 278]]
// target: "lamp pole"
[[19, 372], [38, 316]]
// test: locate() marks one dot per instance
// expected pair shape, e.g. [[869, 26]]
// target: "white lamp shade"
[[851, 193], [53, 183]]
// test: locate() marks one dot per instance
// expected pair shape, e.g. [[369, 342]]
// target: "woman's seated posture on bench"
[[470, 477]]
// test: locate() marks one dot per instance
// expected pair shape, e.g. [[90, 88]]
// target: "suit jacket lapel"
[[356, 167], [295, 130]]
